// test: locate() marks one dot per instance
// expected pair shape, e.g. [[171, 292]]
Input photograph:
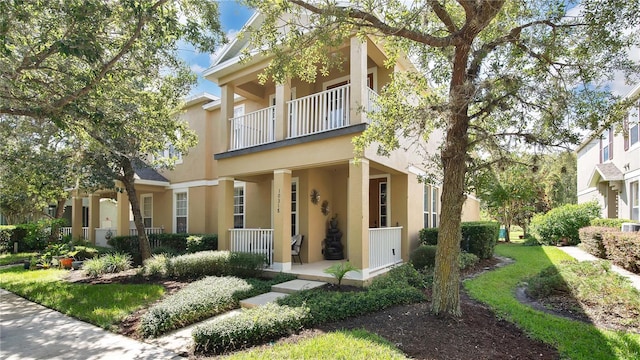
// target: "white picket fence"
[[384, 247]]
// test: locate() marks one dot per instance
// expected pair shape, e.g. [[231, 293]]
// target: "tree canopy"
[[496, 76]]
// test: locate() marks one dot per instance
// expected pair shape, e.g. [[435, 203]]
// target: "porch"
[[384, 246]]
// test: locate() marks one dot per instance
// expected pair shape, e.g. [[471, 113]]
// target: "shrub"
[[563, 222], [108, 263], [339, 270], [199, 300], [252, 326], [591, 240], [623, 249], [33, 236], [6, 245], [83, 252], [610, 223], [164, 250], [215, 263], [478, 237], [245, 264], [127, 245], [400, 276], [197, 243], [423, 256], [178, 242], [467, 260], [158, 265]]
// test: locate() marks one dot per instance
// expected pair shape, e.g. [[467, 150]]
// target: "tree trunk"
[[128, 180], [446, 279], [55, 226]]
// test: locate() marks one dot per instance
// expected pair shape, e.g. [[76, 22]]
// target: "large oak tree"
[[493, 74]]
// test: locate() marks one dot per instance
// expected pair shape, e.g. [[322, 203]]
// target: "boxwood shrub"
[[591, 240], [610, 223], [250, 327], [204, 263], [169, 243], [563, 222], [423, 256], [199, 300], [623, 249], [478, 237]]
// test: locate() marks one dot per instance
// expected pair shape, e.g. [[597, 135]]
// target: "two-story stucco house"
[[276, 160], [609, 167]]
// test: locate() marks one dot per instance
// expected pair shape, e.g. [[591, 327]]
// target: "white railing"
[[254, 128], [372, 98], [319, 112], [67, 230], [384, 247], [257, 241], [148, 231]]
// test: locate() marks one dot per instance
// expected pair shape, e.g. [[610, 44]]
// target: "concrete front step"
[[261, 299], [293, 286]]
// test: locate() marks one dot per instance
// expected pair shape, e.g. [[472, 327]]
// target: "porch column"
[[227, 93], [358, 216], [94, 216], [283, 94], [76, 217], [281, 210], [124, 207], [225, 212], [358, 69]]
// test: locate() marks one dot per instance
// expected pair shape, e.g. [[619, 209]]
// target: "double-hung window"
[[635, 201], [181, 206], [147, 211], [430, 199], [238, 207], [606, 145]]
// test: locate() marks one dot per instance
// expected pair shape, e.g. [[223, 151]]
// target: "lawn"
[[575, 340], [7, 259], [104, 305]]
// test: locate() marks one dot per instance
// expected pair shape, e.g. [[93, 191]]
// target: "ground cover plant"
[[104, 305], [575, 340], [8, 258], [592, 290], [345, 344]]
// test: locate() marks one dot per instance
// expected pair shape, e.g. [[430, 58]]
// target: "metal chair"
[[295, 247]]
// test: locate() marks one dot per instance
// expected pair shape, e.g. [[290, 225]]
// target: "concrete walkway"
[[32, 331], [582, 255]]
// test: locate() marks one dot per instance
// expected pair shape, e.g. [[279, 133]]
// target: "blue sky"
[[232, 16]]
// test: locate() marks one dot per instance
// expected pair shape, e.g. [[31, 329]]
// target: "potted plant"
[[66, 262]]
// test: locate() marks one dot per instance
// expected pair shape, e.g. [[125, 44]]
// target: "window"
[[434, 206], [147, 211], [181, 204], [426, 214], [294, 207], [634, 127], [606, 145], [635, 201], [238, 207], [383, 203], [430, 201]]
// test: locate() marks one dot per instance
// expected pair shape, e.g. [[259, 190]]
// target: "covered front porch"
[[369, 201]]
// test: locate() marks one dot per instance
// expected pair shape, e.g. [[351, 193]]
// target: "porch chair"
[[296, 244]]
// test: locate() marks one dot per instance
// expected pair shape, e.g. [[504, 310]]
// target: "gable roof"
[[149, 174], [605, 172]]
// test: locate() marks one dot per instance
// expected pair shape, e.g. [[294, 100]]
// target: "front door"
[[378, 203]]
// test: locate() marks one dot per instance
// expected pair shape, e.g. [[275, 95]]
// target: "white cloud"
[[198, 69]]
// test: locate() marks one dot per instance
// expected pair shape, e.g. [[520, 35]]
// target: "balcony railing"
[[254, 128], [384, 247], [64, 231], [257, 241], [319, 112]]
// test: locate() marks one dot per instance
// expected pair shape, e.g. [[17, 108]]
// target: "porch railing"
[[384, 247], [372, 98], [254, 128], [64, 231], [257, 241], [319, 112], [148, 231]]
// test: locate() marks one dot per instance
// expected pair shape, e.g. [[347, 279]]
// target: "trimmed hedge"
[[169, 242], [591, 240], [610, 223], [204, 263], [252, 326], [478, 237], [623, 249], [423, 256], [6, 245], [563, 222], [199, 300]]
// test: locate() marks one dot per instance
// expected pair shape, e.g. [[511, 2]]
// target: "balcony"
[[316, 113]]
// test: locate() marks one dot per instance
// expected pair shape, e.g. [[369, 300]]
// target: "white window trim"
[[347, 78], [175, 210], [633, 204], [240, 185], [142, 198]]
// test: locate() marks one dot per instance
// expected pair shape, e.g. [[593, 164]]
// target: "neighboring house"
[[609, 166], [274, 160]]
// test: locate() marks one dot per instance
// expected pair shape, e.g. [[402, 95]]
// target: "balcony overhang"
[[348, 130]]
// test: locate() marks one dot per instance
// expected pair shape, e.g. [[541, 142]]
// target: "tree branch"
[[443, 15]]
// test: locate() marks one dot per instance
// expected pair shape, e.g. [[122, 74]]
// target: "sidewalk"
[[582, 255], [32, 331]]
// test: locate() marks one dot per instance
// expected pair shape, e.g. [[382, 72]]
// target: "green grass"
[[352, 344], [8, 259], [104, 305], [575, 340]]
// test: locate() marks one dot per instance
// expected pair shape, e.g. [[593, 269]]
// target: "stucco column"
[[124, 207], [76, 217], [227, 103], [358, 216], [225, 212], [94, 216], [358, 68], [281, 209], [283, 94]]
